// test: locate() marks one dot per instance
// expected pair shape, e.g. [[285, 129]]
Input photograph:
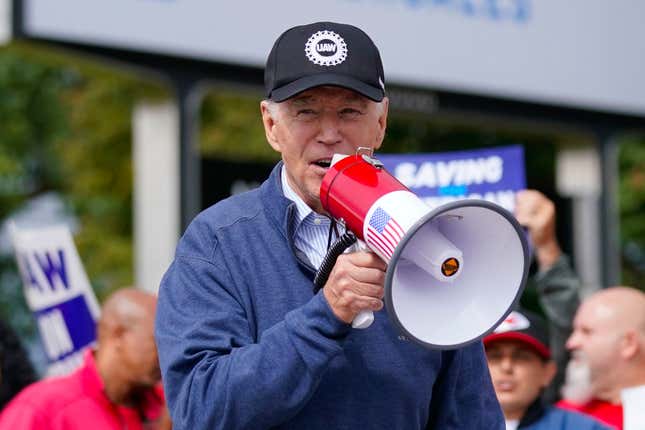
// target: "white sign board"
[[5, 21], [58, 293], [576, 53], [633, 399]]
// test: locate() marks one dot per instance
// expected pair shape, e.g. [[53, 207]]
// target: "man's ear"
[[269, 122], [382, 123], [111, 333], [550, 368], [630, 344]]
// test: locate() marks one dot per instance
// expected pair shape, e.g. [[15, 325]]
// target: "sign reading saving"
[[490, 174]]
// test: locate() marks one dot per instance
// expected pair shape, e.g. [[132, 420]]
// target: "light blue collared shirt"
[[311, 230]]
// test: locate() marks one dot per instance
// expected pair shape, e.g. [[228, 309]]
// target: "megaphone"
[[454, 272]]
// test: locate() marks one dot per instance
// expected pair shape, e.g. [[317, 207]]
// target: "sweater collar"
[[279, 209], [282, 213], [302, 210]]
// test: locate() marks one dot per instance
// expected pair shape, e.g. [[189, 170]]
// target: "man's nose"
[[572, 342], [330, 132], [506, 363]]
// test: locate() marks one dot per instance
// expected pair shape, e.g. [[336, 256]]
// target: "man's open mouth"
[[323, 163]]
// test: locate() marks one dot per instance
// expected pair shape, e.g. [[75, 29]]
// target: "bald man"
[[117, 387], [608, 353]]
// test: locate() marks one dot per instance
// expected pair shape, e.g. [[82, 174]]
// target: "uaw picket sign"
[[58, 293]]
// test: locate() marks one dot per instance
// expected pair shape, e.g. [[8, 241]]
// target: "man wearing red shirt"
[[608, 354], [118, 385], [602, 410]]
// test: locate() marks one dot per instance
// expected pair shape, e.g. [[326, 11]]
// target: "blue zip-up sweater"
[[541, 417], [244, 344]]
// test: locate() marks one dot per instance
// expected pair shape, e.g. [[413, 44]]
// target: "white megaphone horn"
[[454, 273]]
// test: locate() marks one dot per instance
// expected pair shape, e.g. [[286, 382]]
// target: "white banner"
[[576, 53], [58, 293]]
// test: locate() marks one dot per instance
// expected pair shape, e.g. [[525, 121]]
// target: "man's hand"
[[536, 212], [355, 284]]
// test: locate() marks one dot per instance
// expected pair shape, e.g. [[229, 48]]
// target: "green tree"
[[32, 118], [65, 126]]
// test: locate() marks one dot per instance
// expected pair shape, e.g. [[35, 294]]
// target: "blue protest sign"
[[493, 174]]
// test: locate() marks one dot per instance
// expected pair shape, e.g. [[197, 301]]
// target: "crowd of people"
[[598, 344], [241, 340]]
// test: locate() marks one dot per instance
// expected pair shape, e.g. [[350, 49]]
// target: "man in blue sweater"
[[244, 343]]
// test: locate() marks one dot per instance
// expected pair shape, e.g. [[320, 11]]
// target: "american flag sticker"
[[383, 232]]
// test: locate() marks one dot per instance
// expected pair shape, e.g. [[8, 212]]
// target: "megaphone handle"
[[364, 319]]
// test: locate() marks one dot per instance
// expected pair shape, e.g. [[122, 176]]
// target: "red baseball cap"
[[526, 327]]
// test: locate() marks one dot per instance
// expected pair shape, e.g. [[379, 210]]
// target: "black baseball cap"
[[324, 53], [526, 327]]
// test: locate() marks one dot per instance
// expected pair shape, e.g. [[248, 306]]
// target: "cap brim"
[[303, 84], [535, 344]]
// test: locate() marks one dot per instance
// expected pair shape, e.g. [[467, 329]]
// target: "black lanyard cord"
[[343, 242]]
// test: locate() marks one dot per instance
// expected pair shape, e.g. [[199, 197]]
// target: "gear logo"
[[326, 48]]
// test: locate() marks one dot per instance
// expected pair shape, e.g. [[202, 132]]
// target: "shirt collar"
[[91, 376], [152, 402], [303, 211]]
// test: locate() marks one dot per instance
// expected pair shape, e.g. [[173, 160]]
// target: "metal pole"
[[189, 100], [610, 220]]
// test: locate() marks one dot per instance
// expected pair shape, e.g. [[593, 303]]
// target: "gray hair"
[[273, 107]]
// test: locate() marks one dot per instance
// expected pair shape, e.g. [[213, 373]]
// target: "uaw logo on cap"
[[515, 321], [326, 48]]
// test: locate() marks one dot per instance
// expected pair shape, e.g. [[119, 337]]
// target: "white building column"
[[6, 21], [578, 176], [156, 190]]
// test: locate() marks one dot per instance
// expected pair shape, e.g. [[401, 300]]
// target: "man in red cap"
[[521, 367]]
